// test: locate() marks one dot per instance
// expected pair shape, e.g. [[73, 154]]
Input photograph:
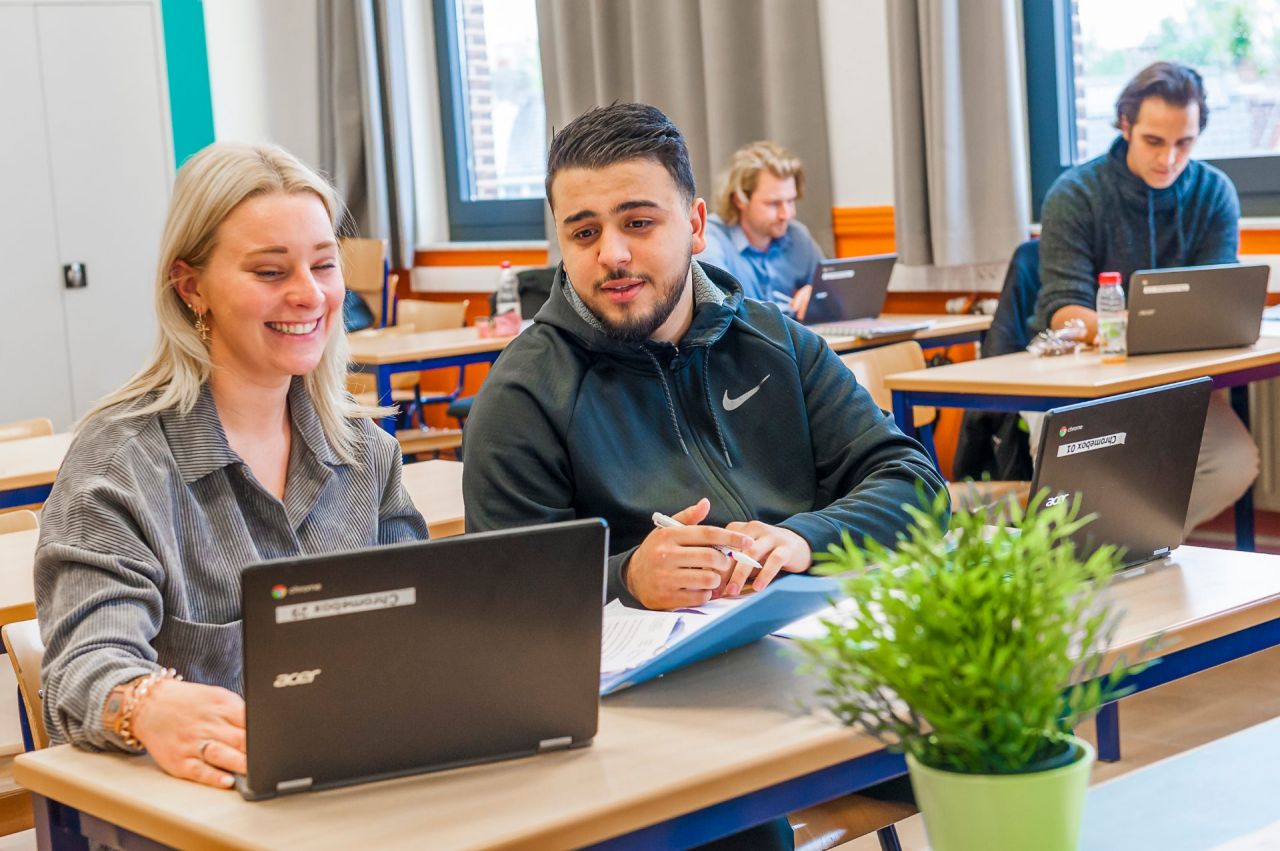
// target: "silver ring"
[[204, 746]]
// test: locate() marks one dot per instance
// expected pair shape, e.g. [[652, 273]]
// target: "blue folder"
[[784, 601]]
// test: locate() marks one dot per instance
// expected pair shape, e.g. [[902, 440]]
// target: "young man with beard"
[[649, 384], [754, 234], [1146, 204]]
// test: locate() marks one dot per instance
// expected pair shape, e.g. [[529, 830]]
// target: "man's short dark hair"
[[1175, 84], [605, 135]]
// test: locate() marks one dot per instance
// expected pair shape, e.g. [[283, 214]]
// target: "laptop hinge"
[[1160, 553], [556, 744], [302, 784]]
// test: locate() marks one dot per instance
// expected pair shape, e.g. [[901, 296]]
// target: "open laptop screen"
[[1132, 458]]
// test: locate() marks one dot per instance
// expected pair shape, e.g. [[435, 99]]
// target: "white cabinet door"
[[105, 103], [35, 380]]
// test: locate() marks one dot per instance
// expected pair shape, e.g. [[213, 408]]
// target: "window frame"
[[471, 221], [1050, 76]]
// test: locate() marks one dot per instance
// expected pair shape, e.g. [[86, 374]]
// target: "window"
[[1080, 53], [493, 118]]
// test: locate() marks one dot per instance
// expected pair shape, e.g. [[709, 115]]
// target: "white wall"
[[263, 73], [855, 59]]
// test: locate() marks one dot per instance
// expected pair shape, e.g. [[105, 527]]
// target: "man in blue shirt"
[[754, 235]]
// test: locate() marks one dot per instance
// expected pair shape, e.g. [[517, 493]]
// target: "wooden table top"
[[31, 461], [436, 490], [17, 588], [1082, 375], [384, 346], [944, 325], [704, 734]]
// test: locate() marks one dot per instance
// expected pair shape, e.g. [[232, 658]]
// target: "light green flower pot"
[[1003, 812]]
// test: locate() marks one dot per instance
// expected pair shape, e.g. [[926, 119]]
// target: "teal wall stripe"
[[190, 103]]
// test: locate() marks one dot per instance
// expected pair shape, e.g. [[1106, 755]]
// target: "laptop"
[[848, 295], [1132, 458], [415, 657], [1196, 307]]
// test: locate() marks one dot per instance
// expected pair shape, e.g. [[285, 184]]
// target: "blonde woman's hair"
[[744, 173], [209, 186]]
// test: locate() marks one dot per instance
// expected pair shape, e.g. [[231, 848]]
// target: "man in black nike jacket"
[[649, 384]]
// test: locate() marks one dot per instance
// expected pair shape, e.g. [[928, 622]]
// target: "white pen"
[[662, 521]]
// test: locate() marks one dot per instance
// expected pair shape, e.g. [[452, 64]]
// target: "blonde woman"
[[754, 235], [236, 443]]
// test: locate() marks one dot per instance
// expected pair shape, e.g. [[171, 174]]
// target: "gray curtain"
[[960, 161], [727, 72], [365, 142]]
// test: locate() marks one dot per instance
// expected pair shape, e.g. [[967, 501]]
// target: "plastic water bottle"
[[506, 305], [1113, 319]]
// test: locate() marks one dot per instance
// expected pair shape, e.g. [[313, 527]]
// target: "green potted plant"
[[975, 649]]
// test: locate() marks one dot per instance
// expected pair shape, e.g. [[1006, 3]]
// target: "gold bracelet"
[[136, 695]]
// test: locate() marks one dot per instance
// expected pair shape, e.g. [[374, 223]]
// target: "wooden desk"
[[17, 588], [384, 352], [700, 753], [947, 330], [436, 489], [1022, 382], [28, 466]]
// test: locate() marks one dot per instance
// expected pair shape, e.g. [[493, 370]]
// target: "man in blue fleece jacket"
[[648, 383], [1145, 204]]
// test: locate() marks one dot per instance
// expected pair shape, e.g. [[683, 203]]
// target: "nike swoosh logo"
[[734, 404]]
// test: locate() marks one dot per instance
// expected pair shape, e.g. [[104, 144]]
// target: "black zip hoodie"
[[750, 409]]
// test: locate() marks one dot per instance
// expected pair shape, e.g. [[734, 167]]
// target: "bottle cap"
[[1109, 279], [506, 264]]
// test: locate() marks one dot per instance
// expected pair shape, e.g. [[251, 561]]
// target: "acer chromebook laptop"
[[848, 295], [414, 657], [1196, 307], [1132, 458]]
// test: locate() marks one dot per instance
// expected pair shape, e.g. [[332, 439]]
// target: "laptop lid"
[[421, 656], [849, 288], [1132, 458], [1196, 307]]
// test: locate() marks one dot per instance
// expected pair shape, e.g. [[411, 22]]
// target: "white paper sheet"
[[633, 636]]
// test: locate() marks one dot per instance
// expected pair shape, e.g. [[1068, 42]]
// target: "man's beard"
[[634, 327]]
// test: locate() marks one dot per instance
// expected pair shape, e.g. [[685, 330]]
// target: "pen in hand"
[[662, 521]]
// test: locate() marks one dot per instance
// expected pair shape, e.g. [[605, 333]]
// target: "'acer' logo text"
[[297, 678]]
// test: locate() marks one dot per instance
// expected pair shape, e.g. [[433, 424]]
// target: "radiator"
[[1264, 420]]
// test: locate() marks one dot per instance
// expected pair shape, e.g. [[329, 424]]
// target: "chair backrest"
[[872, 366], [18, 521], [26, 651], [424, 315], [26, 428], [364, 270], [1012, 326]]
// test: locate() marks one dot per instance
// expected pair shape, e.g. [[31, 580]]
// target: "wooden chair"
[[26, 651], [26, 428], [18, 521], [872, 366], [366, 271], [846, 818]]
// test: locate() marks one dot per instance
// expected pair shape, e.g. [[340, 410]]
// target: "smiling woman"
[[237, 442]]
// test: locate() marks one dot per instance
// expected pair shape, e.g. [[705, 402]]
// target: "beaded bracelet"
[[136, 695]]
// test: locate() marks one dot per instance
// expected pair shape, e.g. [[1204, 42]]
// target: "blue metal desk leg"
[[1108, 725], [57, 828], [382, 381], [1244, 505], [903, 415]]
